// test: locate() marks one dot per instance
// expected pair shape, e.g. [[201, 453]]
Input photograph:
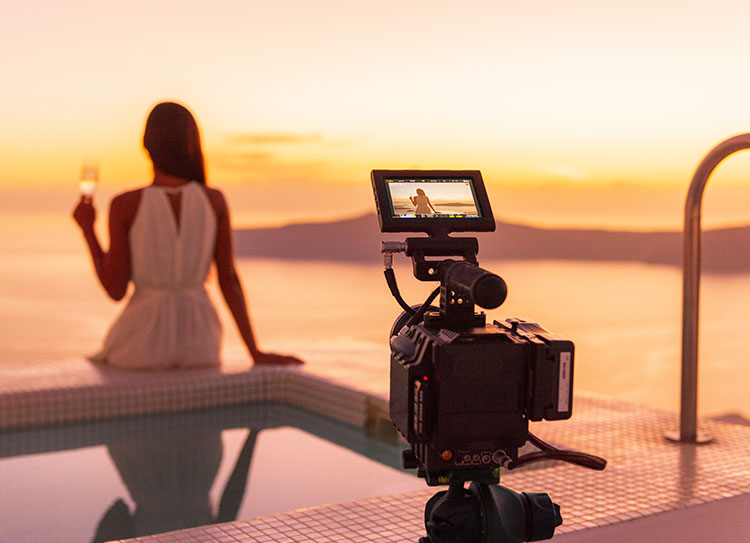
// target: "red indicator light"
[[424, 378]]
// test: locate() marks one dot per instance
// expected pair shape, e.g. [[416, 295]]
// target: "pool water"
[[142, 475]]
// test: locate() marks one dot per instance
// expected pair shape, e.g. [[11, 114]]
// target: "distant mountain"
[[725, 250]]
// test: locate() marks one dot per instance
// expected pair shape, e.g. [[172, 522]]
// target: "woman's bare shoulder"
[[125, 204], [216, 197], [127, 196], [214, 194]]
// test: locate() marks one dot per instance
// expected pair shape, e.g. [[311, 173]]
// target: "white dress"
[[169, 321]]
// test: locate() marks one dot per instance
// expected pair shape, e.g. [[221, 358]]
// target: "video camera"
[[463, 391]]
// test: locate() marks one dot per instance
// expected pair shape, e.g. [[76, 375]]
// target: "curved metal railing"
[[691, 271]]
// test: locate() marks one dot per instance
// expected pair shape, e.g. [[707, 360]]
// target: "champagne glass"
[[89, 180]]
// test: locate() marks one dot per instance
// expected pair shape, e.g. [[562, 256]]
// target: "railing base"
[[701, 438]]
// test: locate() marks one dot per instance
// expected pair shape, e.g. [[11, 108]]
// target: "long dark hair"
[[172, 140]]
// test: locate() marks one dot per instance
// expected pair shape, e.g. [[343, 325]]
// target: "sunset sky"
[[597, 103]]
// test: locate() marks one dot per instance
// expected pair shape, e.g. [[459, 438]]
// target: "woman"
[[422, 203], [164, 237]]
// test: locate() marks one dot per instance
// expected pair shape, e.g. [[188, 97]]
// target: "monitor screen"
[[432, 198], [432, 201]]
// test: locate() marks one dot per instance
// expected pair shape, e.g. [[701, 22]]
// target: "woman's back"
[[172, 250], [169, 321]]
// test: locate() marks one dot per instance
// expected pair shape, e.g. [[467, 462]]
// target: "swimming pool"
[[133, 476]]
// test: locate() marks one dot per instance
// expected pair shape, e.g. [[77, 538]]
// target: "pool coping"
[[77, 390]]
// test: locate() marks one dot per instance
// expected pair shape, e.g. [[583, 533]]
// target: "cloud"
[[274, 138], [567, 171], [273, 156], [240, 166], [241, 160]]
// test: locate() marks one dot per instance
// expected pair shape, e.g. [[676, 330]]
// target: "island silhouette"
[[725, 250]]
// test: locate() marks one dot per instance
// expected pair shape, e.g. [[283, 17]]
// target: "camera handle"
[[432, 270], [419, 248], [462, 283], [441, 246], [424, 270]]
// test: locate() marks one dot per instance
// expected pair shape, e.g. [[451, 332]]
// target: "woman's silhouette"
[[422, 202], [164, 237]]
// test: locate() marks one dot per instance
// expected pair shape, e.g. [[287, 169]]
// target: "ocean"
[[624, 318]]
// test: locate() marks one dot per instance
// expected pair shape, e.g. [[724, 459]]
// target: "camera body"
[[462, 391], [463, 398]]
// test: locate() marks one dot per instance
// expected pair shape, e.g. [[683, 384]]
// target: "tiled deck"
[[648, 480]]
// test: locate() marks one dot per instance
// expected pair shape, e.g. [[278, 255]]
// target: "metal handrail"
[[691, 272]]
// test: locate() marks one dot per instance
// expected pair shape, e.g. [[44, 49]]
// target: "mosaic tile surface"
[[645, 475], [74, 390]]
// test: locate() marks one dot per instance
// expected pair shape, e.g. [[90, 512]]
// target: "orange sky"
[[295, 93]]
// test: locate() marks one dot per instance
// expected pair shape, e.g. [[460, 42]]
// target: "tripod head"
[[489, 514]]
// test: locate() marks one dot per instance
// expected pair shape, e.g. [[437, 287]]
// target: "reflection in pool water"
[[131, 477], [169, 479]]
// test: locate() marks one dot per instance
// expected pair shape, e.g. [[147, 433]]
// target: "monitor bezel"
[[433, 226]]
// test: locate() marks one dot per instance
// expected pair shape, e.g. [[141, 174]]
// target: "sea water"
[[624, 318]]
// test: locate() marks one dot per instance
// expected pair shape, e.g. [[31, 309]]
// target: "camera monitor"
[[432, 201]]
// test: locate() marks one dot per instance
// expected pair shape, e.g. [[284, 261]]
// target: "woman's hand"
[[275, 359], [85, 214]]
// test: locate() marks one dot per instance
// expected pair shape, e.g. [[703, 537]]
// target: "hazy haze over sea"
[[623, 318]]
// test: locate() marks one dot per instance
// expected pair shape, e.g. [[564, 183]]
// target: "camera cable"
[[390, 278], [548, 452], [417, 316]]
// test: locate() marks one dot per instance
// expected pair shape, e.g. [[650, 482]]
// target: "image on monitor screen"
[[432, 198]]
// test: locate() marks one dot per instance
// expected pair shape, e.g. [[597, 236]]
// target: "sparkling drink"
[[89, 180]]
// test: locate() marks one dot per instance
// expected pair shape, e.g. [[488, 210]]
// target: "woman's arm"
[[113, 267], [229, 281], [231, 287], [430, 204]]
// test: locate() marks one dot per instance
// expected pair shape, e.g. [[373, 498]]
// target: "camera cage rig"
[[463, 284], [486, 511]]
